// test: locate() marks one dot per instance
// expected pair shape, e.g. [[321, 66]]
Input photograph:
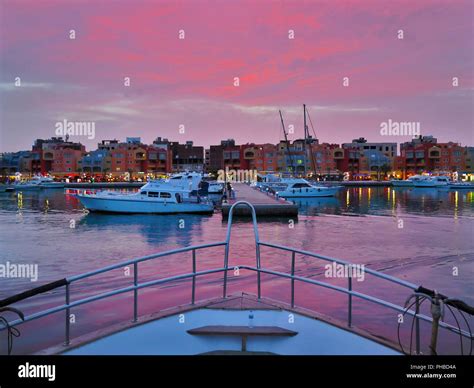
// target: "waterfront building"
[[260, 157], [362, 145], [294, 157], [324, 164], [95, 162], [468, 173], [187, 157], [126, 158], [425, 155], [226, 155], [158, 159], [59, 157], [207, 159], [26, 162], [372, 160], [308, 158]]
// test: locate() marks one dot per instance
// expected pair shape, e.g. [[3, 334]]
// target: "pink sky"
[[190, 82]]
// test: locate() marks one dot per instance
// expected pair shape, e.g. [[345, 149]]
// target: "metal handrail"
[[258, 269], [343, 262]]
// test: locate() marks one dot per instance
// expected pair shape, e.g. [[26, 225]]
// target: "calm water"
[[360, 225]]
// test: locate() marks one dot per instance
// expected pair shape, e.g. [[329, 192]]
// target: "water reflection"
[[424, 252], [391, 201], [154, 228]]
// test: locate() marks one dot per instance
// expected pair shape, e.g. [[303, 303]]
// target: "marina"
[[290, 180]]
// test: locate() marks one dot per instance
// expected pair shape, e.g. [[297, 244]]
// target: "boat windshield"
[[300, 185]]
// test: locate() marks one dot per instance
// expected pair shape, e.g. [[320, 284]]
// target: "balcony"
[[434, 153]]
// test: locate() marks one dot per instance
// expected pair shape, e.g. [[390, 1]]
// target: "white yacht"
[[177, 194], [434, 181], [49, 183], [410, 182], [39, 182], [298, 188], [462, 185], [239, 323]]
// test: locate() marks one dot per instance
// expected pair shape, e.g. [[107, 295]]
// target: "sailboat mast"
[[308, 143], [286, 142], [305, 138]]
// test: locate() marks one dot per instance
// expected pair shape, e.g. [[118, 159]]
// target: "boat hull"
[[27, 187], [402, 184], [55, 185], [430, 185], [462, 186], [309, 192], [134, 206]]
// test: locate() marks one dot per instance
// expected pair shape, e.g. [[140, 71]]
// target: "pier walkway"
[[266, 205]]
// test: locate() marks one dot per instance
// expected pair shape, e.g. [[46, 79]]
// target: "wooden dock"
[[266, 205]]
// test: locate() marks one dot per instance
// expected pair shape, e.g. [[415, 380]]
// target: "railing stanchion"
[[259, 285], [417, 325], [67, 339], [135, 292], [293, 279], [194, 278], [349, 317]]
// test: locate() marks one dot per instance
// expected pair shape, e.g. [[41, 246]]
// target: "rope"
[[434, 298], [11, 331]]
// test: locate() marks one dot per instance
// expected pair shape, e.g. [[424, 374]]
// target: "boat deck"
[[168, 332], [265, 204]]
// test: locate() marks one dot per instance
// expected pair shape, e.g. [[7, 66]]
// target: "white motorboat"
[[299, 188], [174, 195], [267, 182], [38, 182], [410, 182], [241, 323], [49, 183], [462, 186], [434, 181]]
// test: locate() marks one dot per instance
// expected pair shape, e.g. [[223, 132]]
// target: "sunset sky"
[[190, 81]]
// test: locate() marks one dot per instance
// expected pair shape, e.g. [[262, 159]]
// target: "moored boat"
[[299, 188], [434, 181], [39, 182], [462, 186], [175, 195], [410, 182]]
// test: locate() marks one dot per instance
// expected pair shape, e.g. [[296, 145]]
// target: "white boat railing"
[[349, 291]]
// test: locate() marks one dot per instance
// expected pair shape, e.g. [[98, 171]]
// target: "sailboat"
[[299, 187]]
